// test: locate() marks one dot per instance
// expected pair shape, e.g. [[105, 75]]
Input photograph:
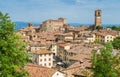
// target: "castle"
[[53, 25]]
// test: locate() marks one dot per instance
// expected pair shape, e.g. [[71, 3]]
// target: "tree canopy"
[[117, 28], [104, 63], [116, 43], [99, 27], [12, 50]]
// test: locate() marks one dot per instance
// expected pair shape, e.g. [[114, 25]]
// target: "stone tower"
[[98, 21]]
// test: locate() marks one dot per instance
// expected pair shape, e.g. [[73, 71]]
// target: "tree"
[[97, 42], [99, 27], [117, 28], [12, 50], [116, 43], [104, 63]]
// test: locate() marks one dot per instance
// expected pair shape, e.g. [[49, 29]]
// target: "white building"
[[54, 49], [90, 38], [59, 74], [108, 38], [43, 57]]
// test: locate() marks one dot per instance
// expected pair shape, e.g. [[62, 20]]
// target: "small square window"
[[45, 64], [44, 54], [57, 74], [49, 64], [49, 59]]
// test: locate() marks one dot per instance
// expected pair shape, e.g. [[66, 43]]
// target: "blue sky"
[[75, 11]]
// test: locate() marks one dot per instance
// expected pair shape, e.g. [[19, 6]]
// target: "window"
[[57, 74], [40, 59], [49, 59], [40, 55], [44, 59], [45, 64], [44, 54], [49, 54], [49, 64], [35, 48]]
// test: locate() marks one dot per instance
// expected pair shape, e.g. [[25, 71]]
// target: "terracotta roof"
[[77, 68], [68, 34], [105, 32], [64, 44], [81, 28], [79, 73], [86, 64], [39, 71], [79, 49], [56, 33], [72, 71], [76, 64], [36, 44], [81, 57], [101, 34], [42, 51], [50, 38]]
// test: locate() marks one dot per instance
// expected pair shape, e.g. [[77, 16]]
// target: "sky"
[[75, 11]]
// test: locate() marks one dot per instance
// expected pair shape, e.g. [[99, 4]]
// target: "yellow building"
[[103, 37]]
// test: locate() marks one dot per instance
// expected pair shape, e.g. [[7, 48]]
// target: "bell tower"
[[98, 21]]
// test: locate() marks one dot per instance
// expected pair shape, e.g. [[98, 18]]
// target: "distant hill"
[[20, 25], [78, 24]]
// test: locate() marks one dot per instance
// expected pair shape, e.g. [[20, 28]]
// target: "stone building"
[[66, 37], [53, 25]]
